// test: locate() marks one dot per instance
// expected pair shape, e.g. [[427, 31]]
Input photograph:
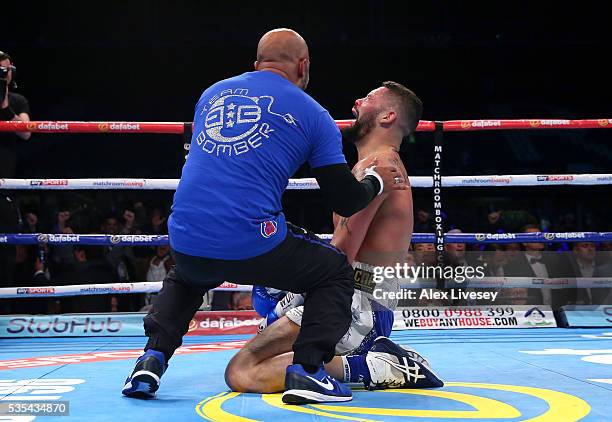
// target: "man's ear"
[[302, 67], [256, 65], [388, 117]]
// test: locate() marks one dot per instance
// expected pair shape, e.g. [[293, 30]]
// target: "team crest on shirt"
[[268, 228], [236, 123]]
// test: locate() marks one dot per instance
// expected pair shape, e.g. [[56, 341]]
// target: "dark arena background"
[[517, 98]]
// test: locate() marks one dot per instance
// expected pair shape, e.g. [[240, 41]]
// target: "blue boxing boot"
[[302, 387], [144, 381], [393, 366]]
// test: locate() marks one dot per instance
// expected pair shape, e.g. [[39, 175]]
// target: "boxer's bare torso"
[[379, 234]]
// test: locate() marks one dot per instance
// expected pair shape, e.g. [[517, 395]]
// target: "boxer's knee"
[[237, 372], [247, 371]]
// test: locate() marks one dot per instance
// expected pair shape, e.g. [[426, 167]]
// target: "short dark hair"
[[4, 56], [411, 106]]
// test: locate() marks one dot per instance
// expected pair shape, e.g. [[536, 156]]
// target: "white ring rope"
[[311, 183], [99, 289], [154, 287]]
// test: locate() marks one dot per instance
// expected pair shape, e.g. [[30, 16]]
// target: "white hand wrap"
[[371, 171], [290, 301]]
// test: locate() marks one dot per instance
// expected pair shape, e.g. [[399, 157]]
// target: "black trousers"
[[302, 263]]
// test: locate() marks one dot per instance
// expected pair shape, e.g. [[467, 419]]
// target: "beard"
[[359, 130]]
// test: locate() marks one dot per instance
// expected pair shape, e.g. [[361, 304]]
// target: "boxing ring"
[[515, 373]]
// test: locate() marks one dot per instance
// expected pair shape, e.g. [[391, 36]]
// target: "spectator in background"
[[62, 225], [30, 272], [583, 262], [423, 223], [424, 254], [62, 255], [535, 262], [530, 263], [508, 221], [141, 214], [159, 266], [512, 251], [12, 107], [410, 262], [114, 304], [241, 301], [129, 225], [157, 224], [494, 258], [89, 267], [221, 300], [123, 263], [583, 259], [30, 222], [120, 258], [455, 255]]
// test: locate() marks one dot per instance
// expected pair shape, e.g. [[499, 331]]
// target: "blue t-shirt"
[[250, 134]]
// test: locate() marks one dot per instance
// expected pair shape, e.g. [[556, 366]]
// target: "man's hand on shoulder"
[[389, 175]]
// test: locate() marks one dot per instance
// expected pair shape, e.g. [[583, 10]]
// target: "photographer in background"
[[12, 107]]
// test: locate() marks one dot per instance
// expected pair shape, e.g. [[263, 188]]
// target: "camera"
[[4, 71]]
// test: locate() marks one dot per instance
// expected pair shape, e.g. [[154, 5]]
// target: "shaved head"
[[285, 52], [281, 45]]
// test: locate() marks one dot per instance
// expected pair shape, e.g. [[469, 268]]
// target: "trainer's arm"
[[340, 188]]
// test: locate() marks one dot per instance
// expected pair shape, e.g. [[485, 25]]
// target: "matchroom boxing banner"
[[446, 318], [121, 324]]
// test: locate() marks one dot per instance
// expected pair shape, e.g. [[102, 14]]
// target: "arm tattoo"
[[344, 224]]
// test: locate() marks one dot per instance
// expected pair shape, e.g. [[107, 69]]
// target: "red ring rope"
[[178, 127]]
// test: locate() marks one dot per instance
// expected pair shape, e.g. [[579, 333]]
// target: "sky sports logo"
[[556, 178], [35, 290], [55, 182]]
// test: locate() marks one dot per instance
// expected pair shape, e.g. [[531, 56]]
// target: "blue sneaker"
[[144, 381], [302, 387], [394, 366]]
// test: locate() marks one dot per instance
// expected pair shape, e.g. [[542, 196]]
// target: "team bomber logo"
[[456, 401], [236, 123], [268, 228]]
